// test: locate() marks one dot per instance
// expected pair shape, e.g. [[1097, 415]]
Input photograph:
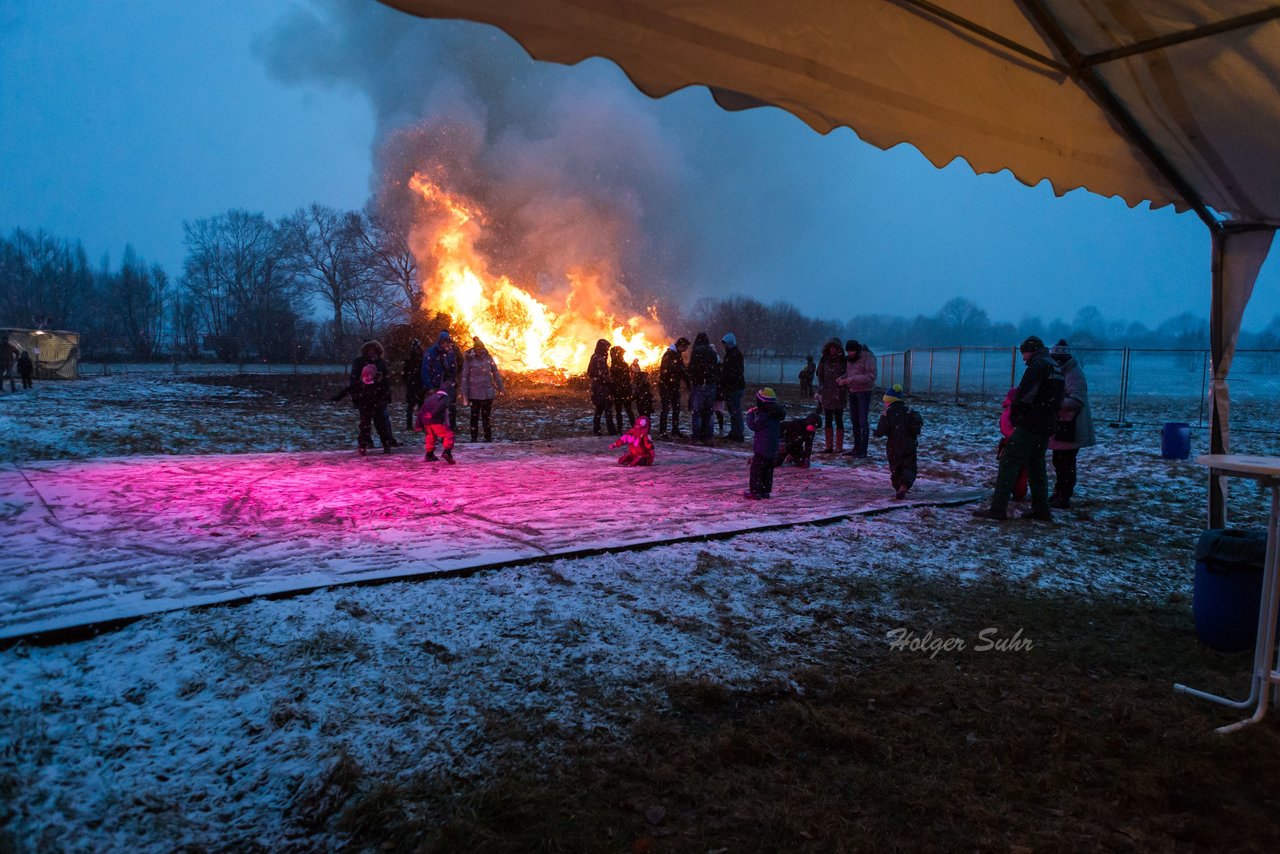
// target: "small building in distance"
[[55, 352]]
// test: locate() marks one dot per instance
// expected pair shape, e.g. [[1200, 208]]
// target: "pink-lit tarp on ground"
[[101, 540]]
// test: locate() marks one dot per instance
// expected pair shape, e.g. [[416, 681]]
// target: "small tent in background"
[[1150, 100], [56, 352]]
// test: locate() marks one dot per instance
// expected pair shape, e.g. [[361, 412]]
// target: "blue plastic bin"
[[1175, 440], [1228, 588]]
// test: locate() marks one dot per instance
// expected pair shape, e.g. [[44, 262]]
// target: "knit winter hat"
[[852, 346], [642, 421], [1032, 344], [682, 342], [1061, 348], [730, 340], [766, 395], [893, 395], [369, 375], [444, 336]]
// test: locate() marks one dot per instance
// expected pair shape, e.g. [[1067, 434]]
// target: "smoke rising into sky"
[[119, 122]]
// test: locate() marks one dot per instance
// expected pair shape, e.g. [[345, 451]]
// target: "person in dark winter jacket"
[[481, 383], [704, 366], [620, 386], [411, 375], [641, 391], [859, 381], [806, 377], [900, 427], [638, 443], [8, 359], [1035, 414], [733, 382], [765, 420], [797, 440], [672, 374], [433, 423], [598, 373], [832, 395], [440, 370], [1074, 429], [369, 385], [25, 369]]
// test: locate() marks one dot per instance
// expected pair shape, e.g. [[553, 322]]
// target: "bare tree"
[[325, 251], [384, 242], [136, 297], [236, 270], [43, 281]]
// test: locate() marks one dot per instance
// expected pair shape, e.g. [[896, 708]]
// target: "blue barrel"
[[1228, 588], [1175, 440]]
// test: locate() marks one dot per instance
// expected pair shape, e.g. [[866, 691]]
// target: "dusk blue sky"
[[120, 119]]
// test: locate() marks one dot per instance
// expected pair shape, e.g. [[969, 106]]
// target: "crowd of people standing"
[[1048, 411]]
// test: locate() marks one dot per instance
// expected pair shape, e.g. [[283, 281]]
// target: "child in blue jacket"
[[765, 420]]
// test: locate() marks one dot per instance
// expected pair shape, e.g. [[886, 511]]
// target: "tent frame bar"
[[990, 35], [1094, 85], [1194, 34]]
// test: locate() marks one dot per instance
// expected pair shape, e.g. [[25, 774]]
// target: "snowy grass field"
[[733, 694]]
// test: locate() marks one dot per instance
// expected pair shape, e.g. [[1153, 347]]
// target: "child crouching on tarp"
[[901, 426], [765, 420], [797, 440], [433, 422], [639, 445]]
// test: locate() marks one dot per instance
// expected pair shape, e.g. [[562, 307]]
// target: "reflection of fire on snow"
[[522, 332]]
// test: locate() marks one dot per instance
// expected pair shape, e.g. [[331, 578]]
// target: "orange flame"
[[522, 332]]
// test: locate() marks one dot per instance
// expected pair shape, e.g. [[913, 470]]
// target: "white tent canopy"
[[1172, 102]]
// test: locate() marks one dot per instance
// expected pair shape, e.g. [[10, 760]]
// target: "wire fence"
[[106, 369], [1126, 385]]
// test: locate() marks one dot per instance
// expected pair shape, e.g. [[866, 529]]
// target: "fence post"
[[782, 361], [983, 386], [906, 370], [1013, 366], [931, 351], [1204, 378], [959, 353]]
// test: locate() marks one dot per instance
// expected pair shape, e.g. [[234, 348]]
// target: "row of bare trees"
[[248, 287]]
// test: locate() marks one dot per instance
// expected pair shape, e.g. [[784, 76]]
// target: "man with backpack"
[[1035, 414]]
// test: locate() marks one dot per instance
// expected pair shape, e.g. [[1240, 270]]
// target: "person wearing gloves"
[[1074, 429], [860, 381], [481, 383], [733, 382], [638, 443], [900, 426]]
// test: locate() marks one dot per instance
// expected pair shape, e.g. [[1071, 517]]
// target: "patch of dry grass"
[[1076, 744]]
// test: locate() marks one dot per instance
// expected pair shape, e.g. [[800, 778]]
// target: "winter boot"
[[829, 448], [839, 440], [901, 494], [448, 457], [386, 449], [361, 450], [430, 457]]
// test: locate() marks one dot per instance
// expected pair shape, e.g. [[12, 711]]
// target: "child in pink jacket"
[[1006, 430]]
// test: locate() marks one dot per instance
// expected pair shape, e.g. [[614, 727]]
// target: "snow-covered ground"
[[216, 726]]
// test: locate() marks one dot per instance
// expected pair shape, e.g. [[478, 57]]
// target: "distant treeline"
[[782, 328], [249, 286]]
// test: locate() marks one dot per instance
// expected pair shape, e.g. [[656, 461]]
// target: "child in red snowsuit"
[[433, 421], [639, 445], [1006, 430]]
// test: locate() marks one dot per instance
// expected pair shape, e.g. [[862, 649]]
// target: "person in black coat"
[[411, 375], [765, 420], [641, 391], [704, 367], [900, 426], [733, 382], [369, 385], [672, 374], [598, 373], [1034, 414], [25, 369], [620, 386], [797, 440], [806, 377]]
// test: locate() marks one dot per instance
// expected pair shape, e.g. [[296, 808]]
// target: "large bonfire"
[[521, 330]]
